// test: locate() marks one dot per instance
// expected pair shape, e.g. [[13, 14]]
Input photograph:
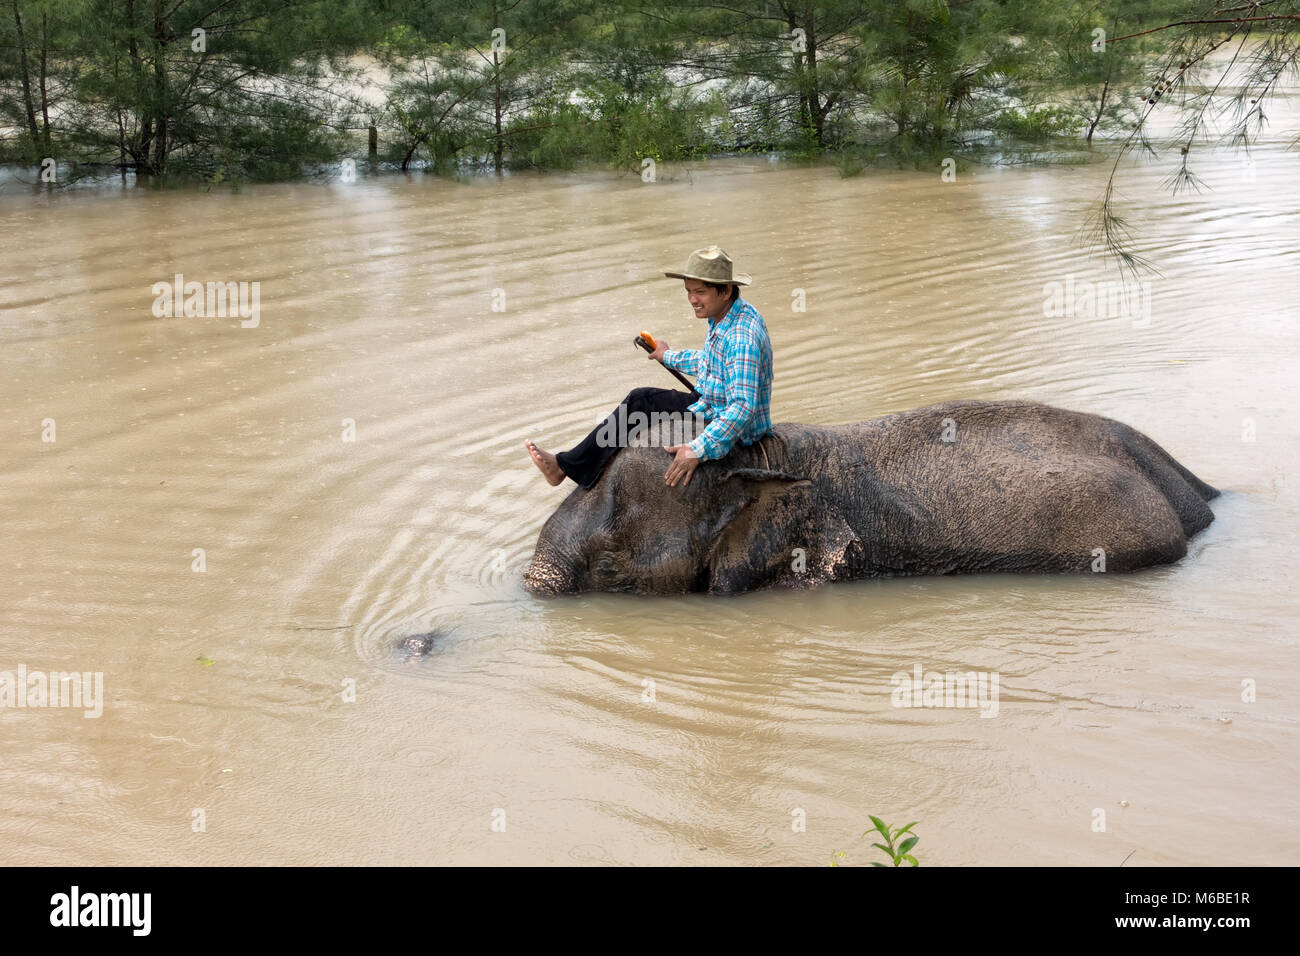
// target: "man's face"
[[706, 300]]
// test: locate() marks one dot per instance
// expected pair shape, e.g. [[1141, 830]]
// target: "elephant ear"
[[756, 536]]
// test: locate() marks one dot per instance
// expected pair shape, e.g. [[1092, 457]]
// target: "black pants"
[[586, 460]]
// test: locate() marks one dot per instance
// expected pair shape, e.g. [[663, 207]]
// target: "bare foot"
[[546, 463]]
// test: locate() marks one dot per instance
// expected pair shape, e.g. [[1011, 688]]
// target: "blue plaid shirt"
[[734, 378]]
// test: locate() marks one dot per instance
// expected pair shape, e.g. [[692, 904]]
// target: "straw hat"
[[711, 264]]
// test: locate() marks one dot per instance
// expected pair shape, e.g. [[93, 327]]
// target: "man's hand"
[[660, 348], [684, 464]]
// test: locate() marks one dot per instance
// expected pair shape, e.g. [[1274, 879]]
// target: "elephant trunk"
[[550, 573]]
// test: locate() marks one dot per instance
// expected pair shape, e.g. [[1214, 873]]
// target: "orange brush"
[[647, 342]]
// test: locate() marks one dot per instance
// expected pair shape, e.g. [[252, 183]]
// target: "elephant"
[[957, 487]]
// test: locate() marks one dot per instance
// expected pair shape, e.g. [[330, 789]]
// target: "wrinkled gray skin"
[[1023, 487]]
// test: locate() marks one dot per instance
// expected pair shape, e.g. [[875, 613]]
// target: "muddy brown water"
[[271, 708]]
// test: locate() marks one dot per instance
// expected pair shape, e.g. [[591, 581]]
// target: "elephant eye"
[[603, 567]]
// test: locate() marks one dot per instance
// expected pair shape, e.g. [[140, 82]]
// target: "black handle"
[[679, 376]]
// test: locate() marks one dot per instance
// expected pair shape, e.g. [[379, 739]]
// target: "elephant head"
[[736, 526]]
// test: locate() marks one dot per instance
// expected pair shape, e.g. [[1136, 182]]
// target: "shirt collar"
[[733, 311]]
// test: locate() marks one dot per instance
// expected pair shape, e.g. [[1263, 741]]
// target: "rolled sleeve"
[[683, 360], [741, 388]]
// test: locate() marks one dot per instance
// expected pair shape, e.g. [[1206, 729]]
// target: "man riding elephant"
[[959, 487], [733, 383]]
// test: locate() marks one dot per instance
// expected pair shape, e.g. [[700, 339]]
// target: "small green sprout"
[[903, 851], [897, 853]]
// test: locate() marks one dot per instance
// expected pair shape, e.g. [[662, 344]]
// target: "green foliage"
[[1042, 122], [398, 42], [897, 852], [277, 92], [186, 86], [651, 120], [431, 111], [850, 162]]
